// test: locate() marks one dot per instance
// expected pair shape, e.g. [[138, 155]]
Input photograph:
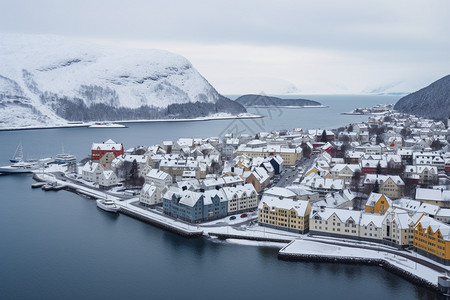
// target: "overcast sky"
[[265, 46]]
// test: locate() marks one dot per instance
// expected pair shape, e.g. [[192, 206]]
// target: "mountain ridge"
[[51, 79], [250, 100], [432, 101]]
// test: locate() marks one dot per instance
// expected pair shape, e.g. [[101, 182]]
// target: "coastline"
[[75, 125], [290, 107], [328, 249]]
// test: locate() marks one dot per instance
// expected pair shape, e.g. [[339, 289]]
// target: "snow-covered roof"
[[407, 204], [432, 194], [157, 174], [107, 174], [375, 219], [90, 166], [343, 215], [280, 192], [300, 206], [371, 178], [428, 222], [109, 145], [429, 209], [260, 174], [148, 189], [374, 197]]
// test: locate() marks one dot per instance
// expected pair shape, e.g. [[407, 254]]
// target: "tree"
[[436, 145], [376, 187], [350, 128], [323, 139], [134, 171], [405, 132], [343, 150], [356, 178], [306, 151], [378, 168]]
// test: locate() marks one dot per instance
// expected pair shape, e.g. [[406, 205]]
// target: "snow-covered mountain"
[[47, 80]]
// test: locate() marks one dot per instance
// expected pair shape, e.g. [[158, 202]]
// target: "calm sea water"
[[58, 245]]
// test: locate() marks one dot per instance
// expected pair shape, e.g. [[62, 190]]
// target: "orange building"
[[432, 239], [378, 204]]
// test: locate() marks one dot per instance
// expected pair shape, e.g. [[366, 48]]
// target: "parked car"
[[233, 218], [244, 216]]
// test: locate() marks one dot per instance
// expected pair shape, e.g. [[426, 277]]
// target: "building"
[[241, 198], [259, 178], [398, 228], [438, 197], [107, 179], [195, 207], [285, 214], [150, 195], [390, 185], [345, 172], [99, 149], [289, 155], [432, 239], [335, 222], [159, 178], [378, 204], [92, 171]]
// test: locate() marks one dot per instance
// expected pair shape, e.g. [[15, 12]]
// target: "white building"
[[150, 195], [158, 178], [108, 179], [92, 171]]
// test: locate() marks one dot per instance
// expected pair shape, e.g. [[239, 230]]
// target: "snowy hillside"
[[50, 79]]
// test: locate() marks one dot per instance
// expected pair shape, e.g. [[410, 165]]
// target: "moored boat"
[[107, 205], [19, 167]]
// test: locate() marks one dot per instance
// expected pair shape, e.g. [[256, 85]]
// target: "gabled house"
[[92, 171], [108, 179], [150, 195], [378, 204]]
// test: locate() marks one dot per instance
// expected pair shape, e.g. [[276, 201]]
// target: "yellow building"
[[378, 204], [432, 238], [290, 156], [319, 171], [284, 213]]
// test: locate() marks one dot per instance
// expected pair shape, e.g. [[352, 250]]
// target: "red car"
[[244, 216]]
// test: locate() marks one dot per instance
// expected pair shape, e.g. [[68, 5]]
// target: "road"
[[289, 174]]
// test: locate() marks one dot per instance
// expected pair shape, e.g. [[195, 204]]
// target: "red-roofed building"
[[100, 149]]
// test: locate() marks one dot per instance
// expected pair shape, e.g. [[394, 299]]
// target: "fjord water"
[[58, 245]]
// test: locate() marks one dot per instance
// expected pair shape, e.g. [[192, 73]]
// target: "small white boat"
[[107, 205], [20, 167], [106, 125]]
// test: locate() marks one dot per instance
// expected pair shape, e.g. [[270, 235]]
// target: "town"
[[382, 182]]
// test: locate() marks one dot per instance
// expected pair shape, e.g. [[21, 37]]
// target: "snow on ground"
[[31, 121], [255, 243], [308, 247]]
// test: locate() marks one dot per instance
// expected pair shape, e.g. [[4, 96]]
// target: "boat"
[[18, 155], [19, 167], [106, 125], [107, 205], [64, 158]]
